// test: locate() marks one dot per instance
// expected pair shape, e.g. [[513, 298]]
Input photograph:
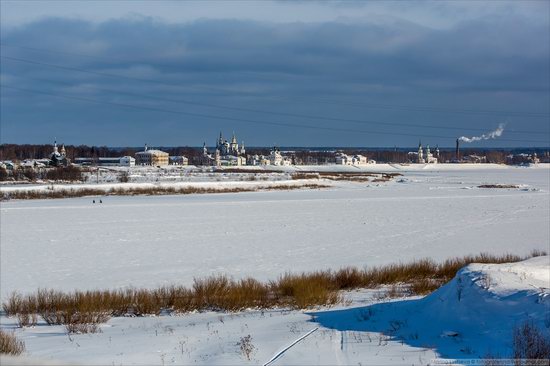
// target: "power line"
[[321, 100], [155, 109], [2, 44], [286, 114]]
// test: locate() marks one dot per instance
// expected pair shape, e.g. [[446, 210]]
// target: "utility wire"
[[313, 117], [322, 101], [155, 109]]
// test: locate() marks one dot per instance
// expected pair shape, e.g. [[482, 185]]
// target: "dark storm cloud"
[[234, 62]]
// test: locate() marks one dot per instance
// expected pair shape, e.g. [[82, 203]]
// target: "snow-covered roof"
[[152, 152]]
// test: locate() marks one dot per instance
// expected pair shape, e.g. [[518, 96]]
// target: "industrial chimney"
[[457, 153]]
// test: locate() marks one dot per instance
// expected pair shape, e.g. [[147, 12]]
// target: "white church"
[[227, 153], [424, 156]]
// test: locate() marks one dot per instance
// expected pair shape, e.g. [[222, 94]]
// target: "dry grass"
[[296, 176], [135, 191], [498, 186], [345, 176], [305, 290], [10, 345], [83, 311], [248, 171]]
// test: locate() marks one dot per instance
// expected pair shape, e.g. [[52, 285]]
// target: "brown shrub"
[[84, 322], [502, 186], [296, 176], [82, 311], [134, 191], [13, 305], [68, 173], [10, 345], [424, 286], [306, 290]]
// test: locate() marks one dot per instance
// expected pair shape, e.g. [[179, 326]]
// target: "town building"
[[152, 157], [179, 160], [522, 159], [58, 157], [127, 161], [227, 153], [276, 158], [424, 156], [258, 160], [107, 161], [344, 159], [7, 164], [474, 159], [230, 148]]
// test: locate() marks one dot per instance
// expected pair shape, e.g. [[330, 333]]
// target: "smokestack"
[[457, 149]]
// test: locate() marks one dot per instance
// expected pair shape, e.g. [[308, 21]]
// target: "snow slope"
[[472, 316]]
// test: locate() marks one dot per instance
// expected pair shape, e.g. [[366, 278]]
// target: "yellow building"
[[152, 157]]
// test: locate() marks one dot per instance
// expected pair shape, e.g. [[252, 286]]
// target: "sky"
[[286, 73]]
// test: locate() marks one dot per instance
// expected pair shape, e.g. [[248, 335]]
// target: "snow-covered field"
[[157, 240], [469, 319], [146, 241]]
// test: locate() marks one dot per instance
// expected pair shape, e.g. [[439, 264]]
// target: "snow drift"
[[472, 316]]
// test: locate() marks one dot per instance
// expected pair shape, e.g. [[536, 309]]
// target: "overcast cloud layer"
[[354, 63]]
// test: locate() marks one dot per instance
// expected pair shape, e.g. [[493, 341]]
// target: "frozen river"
[[155, 240]]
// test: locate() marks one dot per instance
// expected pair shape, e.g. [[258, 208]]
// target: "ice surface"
[[156, 240]]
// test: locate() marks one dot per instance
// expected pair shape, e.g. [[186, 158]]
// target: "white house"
[[7, 164], [276, 158], [127, 161], [229, 160], [258, 160], [343, 159], [179, 160], [151, 157]]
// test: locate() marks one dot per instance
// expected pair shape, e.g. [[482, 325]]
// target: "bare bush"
[[13, 305], [530, 343], [68, 173], [10, 345], [123, 177], [84, 322], [246, 346]]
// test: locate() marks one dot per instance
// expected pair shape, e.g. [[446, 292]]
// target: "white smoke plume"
[[486, 136]]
